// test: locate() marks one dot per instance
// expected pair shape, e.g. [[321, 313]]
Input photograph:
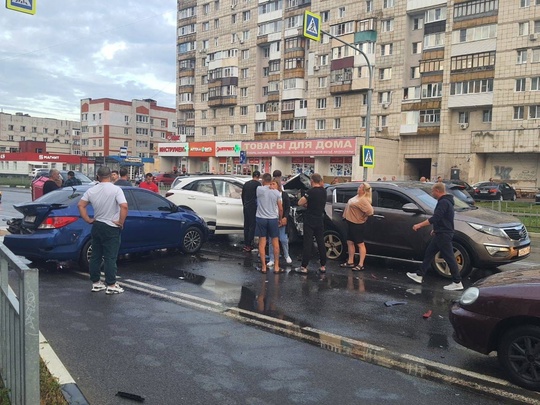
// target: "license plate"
[[30, 218], [525, 251], [483, 192]]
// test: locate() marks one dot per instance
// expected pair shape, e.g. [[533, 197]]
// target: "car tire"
[[518, 351], [86, 253], [514, 197], [463, 259], [192, 240], [335, 245], [501, 198]]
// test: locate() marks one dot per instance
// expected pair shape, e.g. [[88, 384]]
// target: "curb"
[[69, 387]]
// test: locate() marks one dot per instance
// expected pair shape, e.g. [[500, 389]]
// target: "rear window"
[[64, 196]]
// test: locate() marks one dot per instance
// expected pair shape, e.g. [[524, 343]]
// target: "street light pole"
[[369, 93]]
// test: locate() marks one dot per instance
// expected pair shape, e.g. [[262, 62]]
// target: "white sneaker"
[[114, 289], [288, 259], [270, 264], [98, 286], [415, 277], [454, 286]]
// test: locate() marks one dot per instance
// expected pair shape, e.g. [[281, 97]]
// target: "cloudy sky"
[[74, 49]]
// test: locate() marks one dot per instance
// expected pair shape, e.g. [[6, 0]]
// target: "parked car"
[[483, 237], [165, 179], [494, 191], [502, 313], [537, 198], [216, 198], [467, 186], [460, 192], [42, 176], [52, 228]]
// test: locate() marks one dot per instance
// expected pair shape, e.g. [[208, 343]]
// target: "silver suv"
[[483, 238]]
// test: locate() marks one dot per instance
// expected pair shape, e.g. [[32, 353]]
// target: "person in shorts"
[[267, 218]]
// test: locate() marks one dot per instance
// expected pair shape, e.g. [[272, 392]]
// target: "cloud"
[[78, 49]]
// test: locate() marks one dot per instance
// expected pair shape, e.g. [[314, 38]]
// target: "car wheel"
[[519, 354], [514, 197], [501, 198], [86, 254], [334, 244], [192, 240], [463, 260]]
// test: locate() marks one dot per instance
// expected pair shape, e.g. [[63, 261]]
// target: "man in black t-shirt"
[[249, 201], [314, 200]]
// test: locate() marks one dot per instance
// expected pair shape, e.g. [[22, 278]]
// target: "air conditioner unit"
[[241, 41], [202, 51], [464, 126], [385, 105], [533, 37], [378, 129], [233, 6], [316, 68]]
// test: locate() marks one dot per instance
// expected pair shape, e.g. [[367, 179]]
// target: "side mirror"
[[412, 208]]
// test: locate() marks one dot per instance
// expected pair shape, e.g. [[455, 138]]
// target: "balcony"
[[521, 140], [223, 101]]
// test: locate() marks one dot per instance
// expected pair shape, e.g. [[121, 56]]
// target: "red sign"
[[44, 157], [304, 147], [202, 149], [336, 159]]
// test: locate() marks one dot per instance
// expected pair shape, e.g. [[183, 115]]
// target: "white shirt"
[[105, 199]]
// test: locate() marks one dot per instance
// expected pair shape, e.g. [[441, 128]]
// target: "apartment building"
[[456, 85], [128, 131]]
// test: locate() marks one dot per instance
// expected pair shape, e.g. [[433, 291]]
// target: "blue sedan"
[[52, 228]]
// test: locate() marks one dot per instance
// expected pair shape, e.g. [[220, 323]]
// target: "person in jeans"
[[442, 234], [314, 200], [267, 218], [249, 203], [282, 237], [110, 212]]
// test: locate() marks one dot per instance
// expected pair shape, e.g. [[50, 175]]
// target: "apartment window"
[[387, 25], [535, 83], [534, 112], [243, 91], [520, 84], [246, 15], [23, 128], [203, 131], [245, 54], [473, 61], [244, 110], [475, 7], [472, 86], [244, 73], [303, 104], [435, 40], [415, 72], [337, 123], [323, 60], [521, 56], [320, 125], [383, 97], [432, 90], [322, 82], [388, 3], [231, 111], [416, 48], [234, 18], [535, 55], [11, 138], [231, 129], [436, 14], [418, 23], [524, 3], [430, 116], [10, 127], [382, 120], [321, 103], [337, 102], [325, 16], [214, 130], [369, 6], [519, 112], [363, 121], [300, 124], [341, 12], [243, 129], [385, 73], [387, 49], [463, 117], [523, 28], [487, 115]]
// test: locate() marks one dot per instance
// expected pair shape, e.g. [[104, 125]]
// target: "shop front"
[[228, 157], [329, 157], [174, 155]]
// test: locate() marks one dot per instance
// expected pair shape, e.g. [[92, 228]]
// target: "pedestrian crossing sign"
[[24, 6], [312, 26], [367, 156]]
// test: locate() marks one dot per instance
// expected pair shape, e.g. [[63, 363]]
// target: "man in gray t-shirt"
[[267, 218]]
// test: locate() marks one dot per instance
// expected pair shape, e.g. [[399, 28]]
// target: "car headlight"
[[490, 230], [469, 296]]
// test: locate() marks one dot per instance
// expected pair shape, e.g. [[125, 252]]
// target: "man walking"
[[267, 219], [249, 202], [314, 200], [442, 234], [110, 212]]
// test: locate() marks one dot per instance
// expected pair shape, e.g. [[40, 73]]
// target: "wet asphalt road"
[[170, 353]]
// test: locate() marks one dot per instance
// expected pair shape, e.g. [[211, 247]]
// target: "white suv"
[[217, 199]]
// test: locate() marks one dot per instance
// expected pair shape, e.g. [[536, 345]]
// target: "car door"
[[506, 191], [341, 196], [155, 228], [389, 231], [200, 197], [130, 237], [229, 209]]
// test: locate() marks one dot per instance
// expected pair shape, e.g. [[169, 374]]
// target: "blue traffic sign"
[[243, 157], [367, 156]]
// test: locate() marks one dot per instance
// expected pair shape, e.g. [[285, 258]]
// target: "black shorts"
[[355, 232]]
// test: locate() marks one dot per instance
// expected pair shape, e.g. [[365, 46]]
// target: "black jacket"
[[443, 216]]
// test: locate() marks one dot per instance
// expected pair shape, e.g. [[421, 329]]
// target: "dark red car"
[[164, 178], [502, 313]]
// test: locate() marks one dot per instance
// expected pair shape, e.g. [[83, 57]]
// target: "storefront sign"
[[202, 149], [228, 148], [43, 157], [306, 147], [173, 149]]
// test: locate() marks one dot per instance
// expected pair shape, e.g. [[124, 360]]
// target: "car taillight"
[[57, 222], [493, 190], [168, 194]]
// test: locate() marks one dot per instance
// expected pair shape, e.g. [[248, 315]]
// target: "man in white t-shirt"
[[110, 212]]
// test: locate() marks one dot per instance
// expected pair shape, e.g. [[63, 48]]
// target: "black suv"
[[483, 238]]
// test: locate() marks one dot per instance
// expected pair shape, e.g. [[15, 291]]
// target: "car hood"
[[37, 210], [511, 277], [485, 216], [299, 182]]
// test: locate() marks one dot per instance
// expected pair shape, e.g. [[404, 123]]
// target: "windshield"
[[424, 194]]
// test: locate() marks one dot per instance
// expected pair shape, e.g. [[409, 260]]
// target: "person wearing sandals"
[[269, 215], [356, 213], [283, 238], [314, 200]]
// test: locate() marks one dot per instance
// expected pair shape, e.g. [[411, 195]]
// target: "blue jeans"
[[105, 246], [441, 242], [284, 239]]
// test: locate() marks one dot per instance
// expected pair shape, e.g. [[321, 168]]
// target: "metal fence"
[[529, 213], [19, 329]]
